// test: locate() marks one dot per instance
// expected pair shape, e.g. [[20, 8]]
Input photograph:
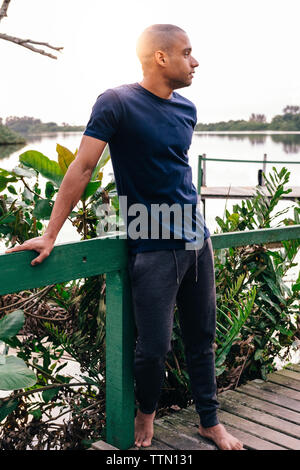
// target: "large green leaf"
[[50, 169], [11, 324], [49, 190], [5, 178], [90, 189], [4, 172], [4, 181], [49, 394], [11, 189], [7, 218], [65, 157], [7, 407], [96, 178], [103, 160], [14, 374], [3, 352], [43, 209], [27, 172]]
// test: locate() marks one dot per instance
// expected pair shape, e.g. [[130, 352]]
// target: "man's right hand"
[[43, 245]]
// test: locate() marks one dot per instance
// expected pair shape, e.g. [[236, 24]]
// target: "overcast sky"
[[248, 53]]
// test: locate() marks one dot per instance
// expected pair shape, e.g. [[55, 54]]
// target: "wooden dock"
[[239, 192], [264, 415]]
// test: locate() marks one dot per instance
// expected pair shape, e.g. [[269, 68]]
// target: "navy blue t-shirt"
[[149, 138]]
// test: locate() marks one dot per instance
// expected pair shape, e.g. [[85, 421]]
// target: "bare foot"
[[221, 437], [143, 429]]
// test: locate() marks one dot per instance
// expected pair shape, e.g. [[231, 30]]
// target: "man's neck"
[[160, 89]]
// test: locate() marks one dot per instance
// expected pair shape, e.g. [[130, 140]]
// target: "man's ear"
[[160, 58]]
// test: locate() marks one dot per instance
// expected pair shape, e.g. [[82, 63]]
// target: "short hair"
[[155, 37]]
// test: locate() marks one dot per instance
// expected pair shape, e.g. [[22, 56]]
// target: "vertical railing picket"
[[201, 179], [199, 184]]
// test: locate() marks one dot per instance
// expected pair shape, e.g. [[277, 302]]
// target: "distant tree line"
[[29, 125], [7, 136], [288, 121]]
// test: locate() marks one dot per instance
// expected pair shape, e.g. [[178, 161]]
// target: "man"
[[149, 129]]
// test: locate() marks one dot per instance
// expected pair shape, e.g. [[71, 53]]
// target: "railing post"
[[264, 169], [199, 174], [204, 182], [204, 170], [119, 361], [201, 179]]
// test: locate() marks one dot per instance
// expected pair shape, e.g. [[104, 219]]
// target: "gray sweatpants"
[[159, 280]]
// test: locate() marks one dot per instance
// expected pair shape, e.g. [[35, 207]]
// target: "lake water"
[[228, 145]]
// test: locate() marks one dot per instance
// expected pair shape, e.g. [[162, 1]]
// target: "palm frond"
[[229, 325]]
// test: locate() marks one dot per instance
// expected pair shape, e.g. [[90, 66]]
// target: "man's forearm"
[[70, 191]]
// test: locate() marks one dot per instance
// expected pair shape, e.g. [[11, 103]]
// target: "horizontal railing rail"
[[68, 261], [252, 237], [229, 160], [108, 255]]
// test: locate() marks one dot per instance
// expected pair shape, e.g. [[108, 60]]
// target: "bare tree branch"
[[3, 10], [28, 44]]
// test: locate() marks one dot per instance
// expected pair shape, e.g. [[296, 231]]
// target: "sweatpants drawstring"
[[177, 275]]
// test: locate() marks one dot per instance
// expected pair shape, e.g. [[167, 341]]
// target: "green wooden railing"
[[81, 259], [75, 260]]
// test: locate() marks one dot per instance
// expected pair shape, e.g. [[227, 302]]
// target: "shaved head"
[[165, 53], [156, 37]]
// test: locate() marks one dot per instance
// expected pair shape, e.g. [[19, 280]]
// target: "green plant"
[[86, 342], [14, 374], [230, 323], [29, 416], [272, 326], [23, 208], [43, 344]]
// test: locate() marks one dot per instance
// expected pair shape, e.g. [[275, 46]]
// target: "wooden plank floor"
[[241, 192], [264, 415]]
